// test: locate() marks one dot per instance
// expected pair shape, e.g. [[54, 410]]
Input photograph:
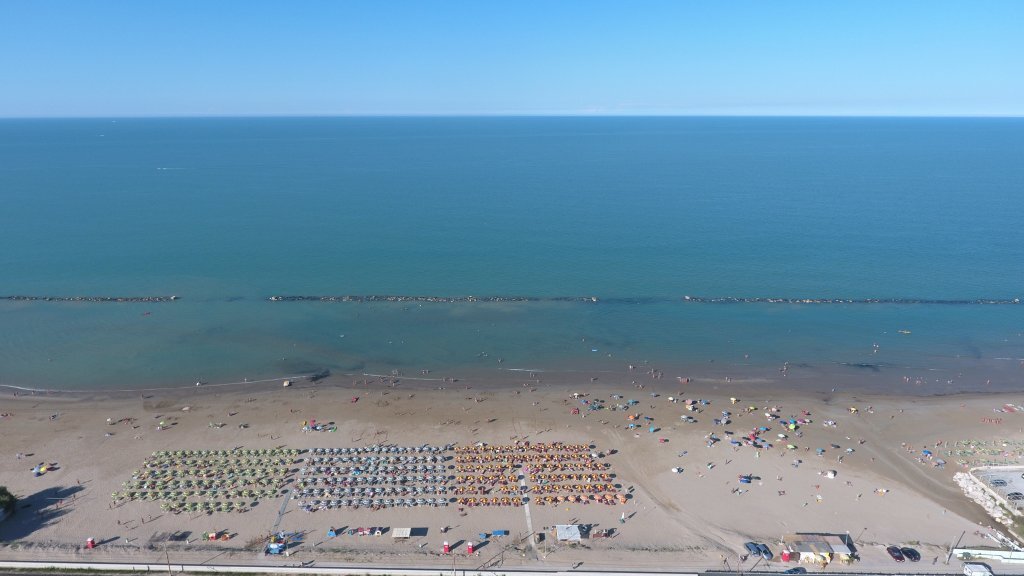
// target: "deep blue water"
[[225, 212]]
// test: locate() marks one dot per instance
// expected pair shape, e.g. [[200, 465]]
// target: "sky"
[[104, 58]]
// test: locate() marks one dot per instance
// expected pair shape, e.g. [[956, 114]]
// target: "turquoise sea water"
[[226, 212]]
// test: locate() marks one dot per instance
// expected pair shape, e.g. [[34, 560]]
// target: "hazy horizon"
[[508, 115], [458, 58]]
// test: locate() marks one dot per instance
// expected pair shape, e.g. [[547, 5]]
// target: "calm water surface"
[[226, 212]]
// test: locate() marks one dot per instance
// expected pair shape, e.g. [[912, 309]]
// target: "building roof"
[[568, 532], [838, 544], [818, 543]]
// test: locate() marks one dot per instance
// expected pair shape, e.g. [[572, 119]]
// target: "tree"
[[7, 501]]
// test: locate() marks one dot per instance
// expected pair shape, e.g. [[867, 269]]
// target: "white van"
[[976, 569]]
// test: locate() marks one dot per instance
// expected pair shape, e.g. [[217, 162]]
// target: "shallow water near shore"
[[83, 346], [228, 212]]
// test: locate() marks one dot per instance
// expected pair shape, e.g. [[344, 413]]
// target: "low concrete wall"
[[1007, 556]]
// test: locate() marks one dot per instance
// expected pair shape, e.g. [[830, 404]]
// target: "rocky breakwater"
[[768, 300], [433, 299], [90, 298], [647, 300]]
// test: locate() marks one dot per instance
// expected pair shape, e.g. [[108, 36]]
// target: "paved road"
[[295, 569], [10, 568]]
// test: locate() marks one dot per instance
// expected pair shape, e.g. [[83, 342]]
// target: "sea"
[[601, 225]]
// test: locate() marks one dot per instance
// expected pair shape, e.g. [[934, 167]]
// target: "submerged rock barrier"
[[578, 299], [91, 298], [641, 300], [437, 299], [758, 300]]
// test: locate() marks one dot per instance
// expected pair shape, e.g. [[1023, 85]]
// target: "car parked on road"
[[910, 554], [895, 553], [797, 570]]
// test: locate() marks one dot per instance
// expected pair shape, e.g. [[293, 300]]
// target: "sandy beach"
[[849, 464]]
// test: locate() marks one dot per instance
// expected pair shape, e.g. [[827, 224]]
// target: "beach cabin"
[[568, 533], [813, 552], [818, 549], [842, 547]]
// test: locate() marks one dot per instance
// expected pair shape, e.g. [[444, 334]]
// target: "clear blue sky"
[[221, 57]]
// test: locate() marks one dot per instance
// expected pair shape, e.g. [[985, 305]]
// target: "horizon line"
[[504, 115]]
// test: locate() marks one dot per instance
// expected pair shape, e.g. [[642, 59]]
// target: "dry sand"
[[697, 519]]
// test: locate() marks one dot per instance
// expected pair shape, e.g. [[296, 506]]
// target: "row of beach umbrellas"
[[522, 448], [233, 453], [371, 469], [370, 480], [376, 503], [308, 493], [418, 459], [380, 449]]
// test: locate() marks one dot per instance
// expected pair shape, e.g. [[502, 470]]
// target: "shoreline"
[[972, 377], [135, 346]]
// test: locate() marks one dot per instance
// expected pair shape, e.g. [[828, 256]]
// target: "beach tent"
[[401, 533]]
